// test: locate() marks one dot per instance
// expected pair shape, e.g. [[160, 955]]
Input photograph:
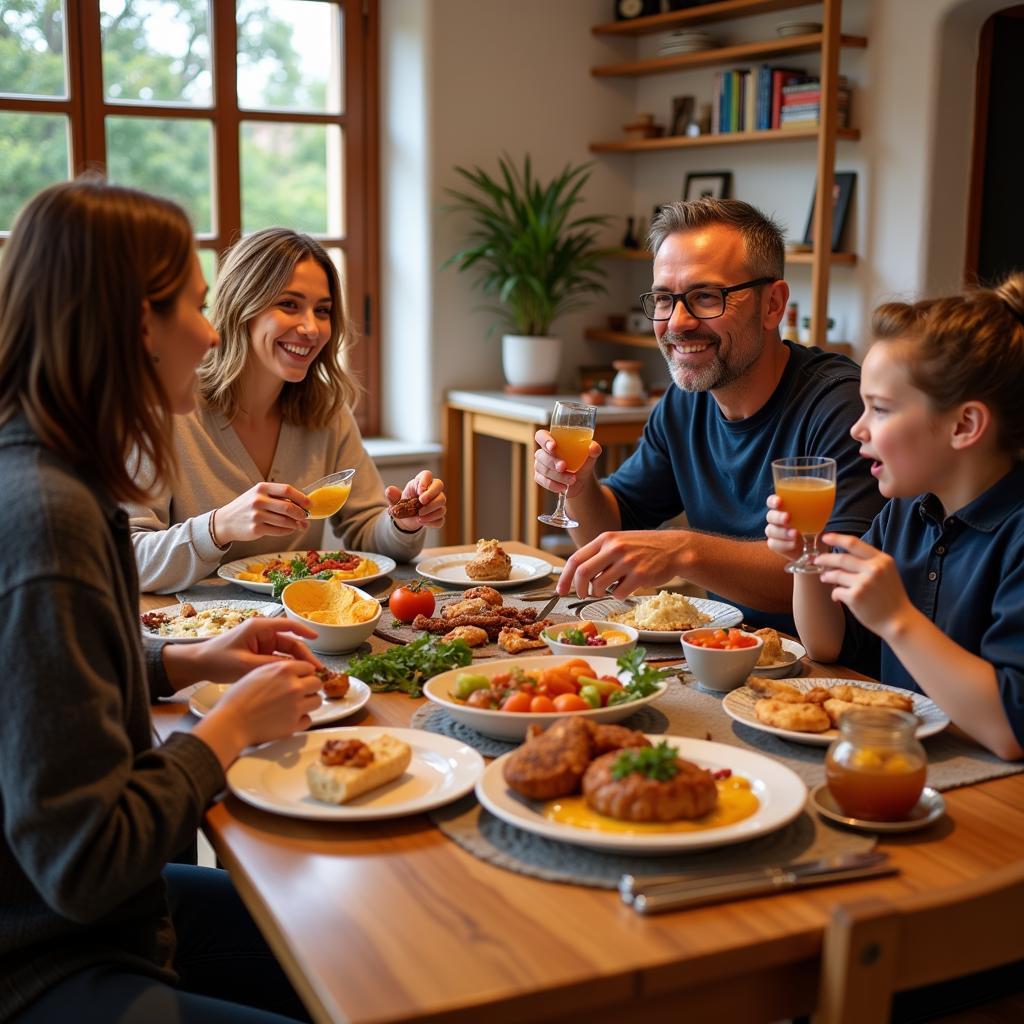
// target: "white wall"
[[467, 79]]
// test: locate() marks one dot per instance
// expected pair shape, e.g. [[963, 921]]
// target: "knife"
[[672, 892], [543, 613]]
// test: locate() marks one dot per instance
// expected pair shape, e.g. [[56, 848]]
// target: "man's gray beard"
[[716, 374]]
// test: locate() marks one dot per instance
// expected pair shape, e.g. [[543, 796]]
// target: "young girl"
[[274, 416], [101, 331], [937, 583]]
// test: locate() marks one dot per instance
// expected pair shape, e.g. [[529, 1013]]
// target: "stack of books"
[[801, 103]]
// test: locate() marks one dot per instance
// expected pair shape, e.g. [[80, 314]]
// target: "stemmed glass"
[[807, 486], [572, 427]]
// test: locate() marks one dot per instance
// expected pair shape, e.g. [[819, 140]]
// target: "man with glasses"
[[743, 397]]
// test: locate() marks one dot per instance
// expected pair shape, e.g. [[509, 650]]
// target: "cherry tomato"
[[410, 600], [570, 702], [588, 629], [517, 701], [541, 705]]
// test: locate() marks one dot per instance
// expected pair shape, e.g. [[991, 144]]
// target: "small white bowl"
[[720, 670], [330, 639], [609, 650], [798, 28]]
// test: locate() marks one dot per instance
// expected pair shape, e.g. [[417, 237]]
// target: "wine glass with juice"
[[807, 486], [572, 427], [329, 494]]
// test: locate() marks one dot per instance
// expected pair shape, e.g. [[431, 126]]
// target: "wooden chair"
[[875, 947]]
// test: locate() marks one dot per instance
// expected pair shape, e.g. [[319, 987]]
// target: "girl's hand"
[[549, 470], [272, 701], [225, 658], [781, 538], [866, 580], [265, 510], [433, 501]]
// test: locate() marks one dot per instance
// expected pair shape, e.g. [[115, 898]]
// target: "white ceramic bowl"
[[609, 650], [720, 670], [512, 726], [330, 639]]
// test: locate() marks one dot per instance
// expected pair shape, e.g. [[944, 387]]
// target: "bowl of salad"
[[504, 697], [608, 639]]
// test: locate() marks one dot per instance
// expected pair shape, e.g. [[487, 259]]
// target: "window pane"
[[166, 155], [290, 55], [36, 153], [32, 48], [292, 175], [156, 51], [208, 261]]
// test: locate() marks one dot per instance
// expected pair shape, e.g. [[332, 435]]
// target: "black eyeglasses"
[[703, 302]]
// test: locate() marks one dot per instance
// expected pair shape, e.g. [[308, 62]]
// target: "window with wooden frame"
[[250, 113]]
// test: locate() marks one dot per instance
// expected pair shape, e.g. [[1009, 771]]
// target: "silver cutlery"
[[543, 613], [678, 892]]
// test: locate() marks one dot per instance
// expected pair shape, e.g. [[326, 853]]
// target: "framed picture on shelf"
[[842, 190], [707, 183]]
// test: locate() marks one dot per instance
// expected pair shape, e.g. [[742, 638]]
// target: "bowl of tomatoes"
[[504, 697], [607, 639], [721, 659]]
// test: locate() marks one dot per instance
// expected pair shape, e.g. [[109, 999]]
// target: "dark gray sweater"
[[91, 811]]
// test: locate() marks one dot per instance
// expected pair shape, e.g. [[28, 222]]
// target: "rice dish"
[[664, 613]]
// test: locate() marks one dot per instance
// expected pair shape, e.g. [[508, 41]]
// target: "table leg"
[[468, 480], [452, 460], [516, 480]]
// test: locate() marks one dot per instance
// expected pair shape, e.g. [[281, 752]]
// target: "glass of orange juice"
[[329, 494], [572, 427], [807, 486]]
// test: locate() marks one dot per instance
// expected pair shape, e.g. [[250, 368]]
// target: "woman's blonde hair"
[[968, 346], [82, 258], [255, 272]]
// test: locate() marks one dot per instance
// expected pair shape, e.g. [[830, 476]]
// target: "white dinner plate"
[[229, 570], [265, 608], [927, 810], [722, 616], [779, 790], [201, 702], [739, 704], [512, 726], [273, 777], [451, 570]]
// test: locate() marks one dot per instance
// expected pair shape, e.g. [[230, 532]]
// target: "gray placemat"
[[432, 718], [485, 836]]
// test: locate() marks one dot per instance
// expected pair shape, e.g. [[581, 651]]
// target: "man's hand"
[[867, 581], [628, 560], [549, 470]]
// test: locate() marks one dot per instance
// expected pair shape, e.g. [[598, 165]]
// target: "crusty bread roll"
[[337, 784]]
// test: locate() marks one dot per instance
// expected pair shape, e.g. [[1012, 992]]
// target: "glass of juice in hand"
[[572, 427], [329, 494], [807, 486]]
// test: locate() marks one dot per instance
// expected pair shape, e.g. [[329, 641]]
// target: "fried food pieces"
[[771, 649], [515, 640], [692, 793], [491, 562], [783, 706], [405, 509], [553, 764], [489, 594], [483, 609], [473, 636], [334, 684]]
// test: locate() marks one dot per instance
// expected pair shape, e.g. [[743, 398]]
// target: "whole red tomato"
[[410, 600]]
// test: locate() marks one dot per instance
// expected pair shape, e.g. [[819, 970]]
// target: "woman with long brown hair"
[[101, 332], [275, 413]]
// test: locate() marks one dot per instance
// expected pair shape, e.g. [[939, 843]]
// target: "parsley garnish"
[[658, 763], [576, 637], [643, 679]]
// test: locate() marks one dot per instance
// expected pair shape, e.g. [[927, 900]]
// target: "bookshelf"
[[648, 341], [828, 43]]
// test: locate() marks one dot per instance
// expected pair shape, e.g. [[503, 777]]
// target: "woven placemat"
[[432, 718], [492, 840]]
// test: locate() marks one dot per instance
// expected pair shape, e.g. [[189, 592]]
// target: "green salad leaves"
[[408, 668], [643, 679]]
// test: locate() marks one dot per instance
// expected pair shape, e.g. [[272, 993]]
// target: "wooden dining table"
[[392, 921]]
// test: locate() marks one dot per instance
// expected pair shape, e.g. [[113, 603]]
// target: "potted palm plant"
[[532, 255]]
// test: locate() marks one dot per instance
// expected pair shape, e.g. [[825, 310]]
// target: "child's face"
[[906, 439]]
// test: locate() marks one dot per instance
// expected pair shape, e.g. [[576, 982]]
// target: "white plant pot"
[[530, 361]]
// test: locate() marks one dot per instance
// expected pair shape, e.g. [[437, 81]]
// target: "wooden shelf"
[[724, 10], [807, 258], [769, 49], [621, 338], [721, 139]]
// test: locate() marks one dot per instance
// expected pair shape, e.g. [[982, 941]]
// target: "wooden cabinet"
[[828, 43]]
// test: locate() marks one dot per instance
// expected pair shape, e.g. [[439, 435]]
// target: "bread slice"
[[337, 784]]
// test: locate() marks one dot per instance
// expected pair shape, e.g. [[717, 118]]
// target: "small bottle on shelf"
[[790, 330], [629, 240]]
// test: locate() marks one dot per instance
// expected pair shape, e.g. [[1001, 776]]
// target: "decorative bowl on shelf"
[[798, 28]]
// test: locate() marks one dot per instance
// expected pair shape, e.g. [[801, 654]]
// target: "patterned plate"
[[229, 570], [722, 616]]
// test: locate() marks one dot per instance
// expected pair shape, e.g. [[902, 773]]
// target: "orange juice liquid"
[[573, 445], [808, 500], [325, 501]]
